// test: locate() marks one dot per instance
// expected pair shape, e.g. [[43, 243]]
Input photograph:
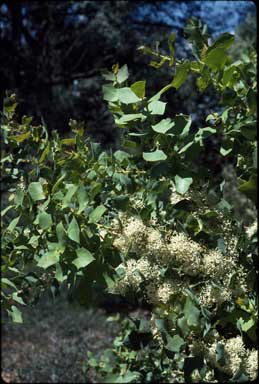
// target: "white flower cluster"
[[235, 353], [251, 365], [252, 229], [211, 294], [135, 271], [187, 253], [136, 202], [184, 257]]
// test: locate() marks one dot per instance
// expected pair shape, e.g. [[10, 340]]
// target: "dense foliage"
[[155, 221]]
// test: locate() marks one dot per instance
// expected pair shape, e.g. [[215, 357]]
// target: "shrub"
[[150, 221]]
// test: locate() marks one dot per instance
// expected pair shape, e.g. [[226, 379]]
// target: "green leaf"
[[44, 153], [84, 257], [249, 188], [72, 188], [18, 199], [82, 198], [157, 155], [13, 224], [216, 59], [17, 298], [224, 42], [192, 313], [157, 96], [59, 273], [157, 107], [49, 258], [45, 220], [246, 325], [181, 74], [174, 343], [110, 93], [121, 156], [130, 117], [171, 41], [182, 184], [127, 377], [6, 281], [122, 74], [127, 96], [73, 231], [96, 214], [60, 232], [182, 125], [36, 191], [215, 56], [15, 314], [20, 138], [220, 354], [163, 126], [139, 88]]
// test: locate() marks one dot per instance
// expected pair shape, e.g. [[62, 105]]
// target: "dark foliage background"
[[53, 52]]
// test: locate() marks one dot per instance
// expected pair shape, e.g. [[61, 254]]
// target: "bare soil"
[[52, 343]]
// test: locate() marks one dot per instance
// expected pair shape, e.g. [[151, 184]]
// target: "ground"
[[51, 345]]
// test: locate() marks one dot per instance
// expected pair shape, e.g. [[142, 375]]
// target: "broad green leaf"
[[121, 155], [130, 117], [45, 220], [246, 325], [36, 191], [163, 126], [228, 75], [84, 257], [109, 76], [127, 96], [96, 214], [205, 132], [72, 188], [182, 125], [185, 147], [224, 42], [16, 314], [157, 155], [157, 107], [139, 88], [44, 153], [127, 377], [4, 211], [181, 74], [249, 188], [58, 182], [13, 224], [21, 138], [157, 96], [17, 298], [122, 74], [6, 281], [68, 141], [19, 196], [82, 198], [174, 343], [60, 232], [192, 313], [49, 258], [216, 59], [110, 93], [73, 231], [171, 41], [59, 273], [121, 179], [182, 184]]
